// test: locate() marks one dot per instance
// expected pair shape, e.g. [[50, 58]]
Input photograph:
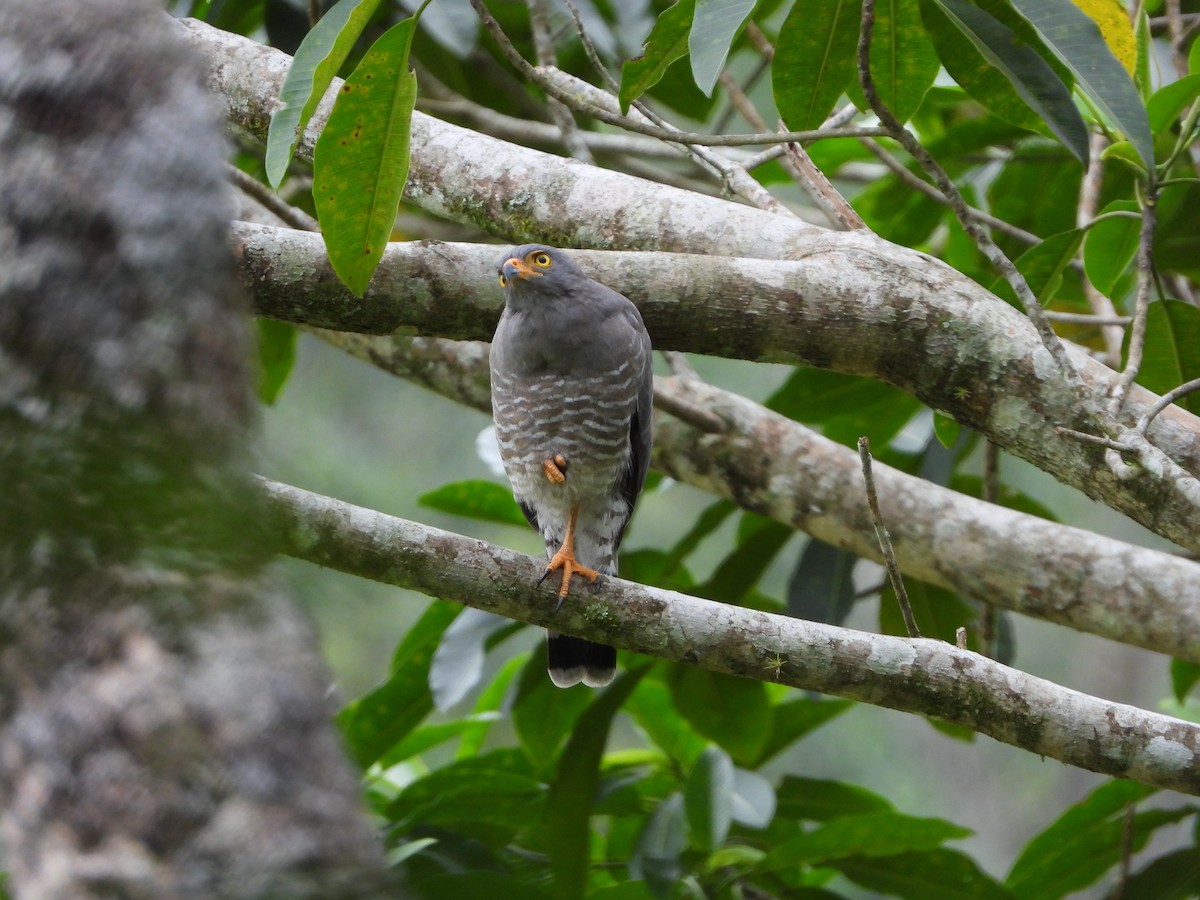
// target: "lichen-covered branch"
[[503, 188], [915, 675], [852, 303], [783, 470]]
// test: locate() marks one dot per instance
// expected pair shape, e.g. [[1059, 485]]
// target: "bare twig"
[[543, 44], [1137, 336], [296, 218], [1126, 865], [1166, 400], [681, 366], [885, 540], [1175, 28], [820, 189], [917, 183], [678, 137], [735, 177], [1097, 439], [983, 240], [991, 494], [1085, 215], [1087, 318], [697, 417]]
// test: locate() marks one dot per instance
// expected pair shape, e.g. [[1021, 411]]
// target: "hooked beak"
[[514, 268]]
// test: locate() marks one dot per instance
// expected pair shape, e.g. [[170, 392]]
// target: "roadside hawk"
[[571, 395]]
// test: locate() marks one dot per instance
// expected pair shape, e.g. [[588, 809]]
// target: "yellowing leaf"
[[1113, 21]]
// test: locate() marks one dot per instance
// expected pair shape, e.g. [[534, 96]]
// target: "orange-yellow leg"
[[565, 559], [555, 469]]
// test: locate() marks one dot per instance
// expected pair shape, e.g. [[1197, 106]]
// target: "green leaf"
[[715, 24], [313, 69], [946, 429], [732, 712], [458, 662], [793, 720], [993, 62], [667, 42], [1111, 245], [1172, 351], [652, 707], [490, 700], [708, 799], [567, 818], [360, 163], [1173, 876], [662, 841], [493, 795], [821, 588], [1078, 847], [476, 499], [845, 406], [375, 722], [482, 885], [429, 736], [941, 874], [1043, 266], [276, 357], [1076, 41], [544, 715], [753, 799], [1124, 152], [1184, 676], [814, 60], [735, 856], [821, 801], [903, 61], [759, 541], [883, 833], [1169, 101]]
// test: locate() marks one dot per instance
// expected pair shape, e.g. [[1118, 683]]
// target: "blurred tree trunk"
[[164, 715]]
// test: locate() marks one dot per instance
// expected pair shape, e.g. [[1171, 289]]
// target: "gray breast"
[[586, 418]]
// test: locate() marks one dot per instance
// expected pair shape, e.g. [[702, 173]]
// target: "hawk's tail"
[[571, 660]]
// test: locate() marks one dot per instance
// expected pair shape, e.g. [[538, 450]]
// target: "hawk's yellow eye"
[[543, 260], [503, 281]]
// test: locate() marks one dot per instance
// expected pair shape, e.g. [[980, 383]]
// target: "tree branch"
[[915, 675], [787, 472], [852, 304], [507, 189]]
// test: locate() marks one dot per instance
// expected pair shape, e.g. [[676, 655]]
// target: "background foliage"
[[676, 781]]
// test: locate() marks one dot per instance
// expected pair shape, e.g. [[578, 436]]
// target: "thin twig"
[[1087, 318], [543, 45], [1178, 36], [991, 494], [1166, 400], [1097, 439], [296, 218], [681, 366], [885, 540], [734, 176], [821, 190], [1126, 865], [702, 419], [1085, 217], [917, 183], [678, 137], [1137, 335], [983, 240]]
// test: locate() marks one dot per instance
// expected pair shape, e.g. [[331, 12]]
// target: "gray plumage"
[[571, 379]]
